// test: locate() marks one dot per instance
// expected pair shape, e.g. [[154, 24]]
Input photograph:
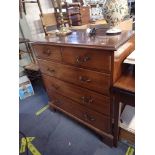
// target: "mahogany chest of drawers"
[[78, 73]]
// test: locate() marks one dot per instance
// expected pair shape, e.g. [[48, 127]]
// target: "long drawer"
[[96, 81], [47, 52], [83, 96], [96, 119], [88, 58]]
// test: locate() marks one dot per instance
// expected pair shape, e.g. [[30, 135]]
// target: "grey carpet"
[[57, 134]]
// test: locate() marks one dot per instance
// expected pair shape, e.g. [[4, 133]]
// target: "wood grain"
[[93, 59], [128, 47], [85, 97], [47, 52], [96, 119], [99, 82], [82, 39]]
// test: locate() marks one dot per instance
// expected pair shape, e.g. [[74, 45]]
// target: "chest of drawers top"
[[84, 60], [82, 39]]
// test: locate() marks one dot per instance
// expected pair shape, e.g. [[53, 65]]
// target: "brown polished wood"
[[82, 39], [83, 96], [124, 92], [125, 135], [120, 55], [99, 82], [126, 82], [98, 120], [47, 52], [87, 58], [79, 76]]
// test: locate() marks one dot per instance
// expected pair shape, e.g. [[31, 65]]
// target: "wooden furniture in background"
[[84, 21], [48, 20], [85, 14], [125, 135], [79, 15], [31, 69], [65, 7], [78, 1], [78, 72], [22, 6], [74, 14], [124, 93], [124, 25], [28, 49]]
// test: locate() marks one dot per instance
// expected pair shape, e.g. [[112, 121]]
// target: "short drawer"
[[99, 60], [96, 119], [99, 82], [90, 99], [47, 52]]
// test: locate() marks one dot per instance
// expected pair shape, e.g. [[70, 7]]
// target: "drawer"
[[87, 58], [47, 52], [90, 99], [99, 82], [96, 119]]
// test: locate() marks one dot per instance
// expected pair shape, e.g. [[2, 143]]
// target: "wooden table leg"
[[116, 119]]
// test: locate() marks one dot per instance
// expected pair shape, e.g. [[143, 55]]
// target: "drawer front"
[[90, 99], [96, 119], [47, 52], [96, 81], [88, 58]]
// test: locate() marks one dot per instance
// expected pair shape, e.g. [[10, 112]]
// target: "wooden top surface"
[[126, 82], [82, 39]]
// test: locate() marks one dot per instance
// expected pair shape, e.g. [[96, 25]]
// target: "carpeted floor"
[[57, 134]]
